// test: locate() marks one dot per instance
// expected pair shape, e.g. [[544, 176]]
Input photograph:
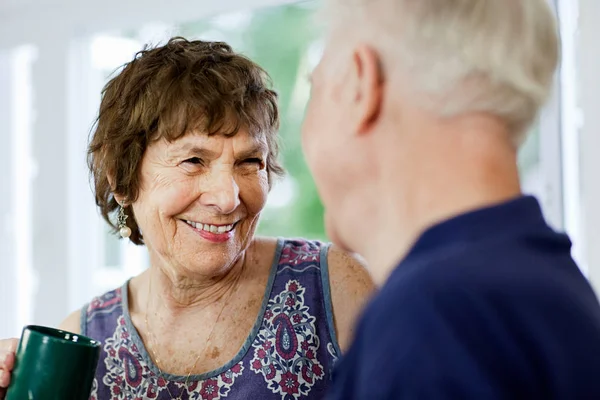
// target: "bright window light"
[[24, 171]]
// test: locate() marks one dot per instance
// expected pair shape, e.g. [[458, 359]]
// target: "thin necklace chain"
[[153, 341]]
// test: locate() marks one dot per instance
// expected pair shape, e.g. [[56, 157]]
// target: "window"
[[17, 277]]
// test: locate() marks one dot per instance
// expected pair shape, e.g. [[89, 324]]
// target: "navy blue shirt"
[[488, 305]]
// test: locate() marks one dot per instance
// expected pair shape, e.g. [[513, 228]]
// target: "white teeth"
[[210, 228]]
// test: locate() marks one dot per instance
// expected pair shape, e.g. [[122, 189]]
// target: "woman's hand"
[[8, 347]]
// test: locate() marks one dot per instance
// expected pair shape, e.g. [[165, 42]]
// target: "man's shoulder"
[[467, 292], [497, 265], [401, 306], [436, 275], [463, 316], [452, 287]]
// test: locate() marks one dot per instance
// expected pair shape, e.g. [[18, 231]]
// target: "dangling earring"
[[124, 230]]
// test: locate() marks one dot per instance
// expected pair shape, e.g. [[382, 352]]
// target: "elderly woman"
[[184, 153]]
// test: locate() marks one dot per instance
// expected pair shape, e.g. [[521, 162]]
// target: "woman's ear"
[[110, 177], [119, 198]]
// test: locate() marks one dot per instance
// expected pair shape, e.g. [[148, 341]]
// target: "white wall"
[[589, 100], [7, 242]]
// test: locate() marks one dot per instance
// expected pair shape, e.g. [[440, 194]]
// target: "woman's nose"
[[222, 192]]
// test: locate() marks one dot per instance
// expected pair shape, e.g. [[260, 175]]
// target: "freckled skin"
[[215, 353]]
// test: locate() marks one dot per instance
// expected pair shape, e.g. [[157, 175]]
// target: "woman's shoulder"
[[72, 323], [347, 265], [351, 287], [105, 302], [344, 265]]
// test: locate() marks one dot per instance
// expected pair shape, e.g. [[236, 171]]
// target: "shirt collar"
[[513, 216]]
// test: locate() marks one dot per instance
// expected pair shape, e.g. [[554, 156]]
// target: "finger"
[[7, 361], [4, 378], [9, 345], [12, 346]]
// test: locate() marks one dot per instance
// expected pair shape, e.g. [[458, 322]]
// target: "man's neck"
[[451, 182], [394, 241]]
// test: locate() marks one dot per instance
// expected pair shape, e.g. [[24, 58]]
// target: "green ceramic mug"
[[53, 365]]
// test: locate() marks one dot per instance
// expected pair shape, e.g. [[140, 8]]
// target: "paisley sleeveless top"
[[288, 355]]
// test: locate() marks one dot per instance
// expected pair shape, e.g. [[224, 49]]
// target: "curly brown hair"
[[166, 92]]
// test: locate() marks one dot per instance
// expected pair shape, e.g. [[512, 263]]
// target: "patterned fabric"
[[288, 355]]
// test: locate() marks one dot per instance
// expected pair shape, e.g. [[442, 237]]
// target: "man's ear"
[[368, 82]]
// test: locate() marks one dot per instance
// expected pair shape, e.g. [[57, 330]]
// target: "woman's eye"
[[193, 160], [254, 162]]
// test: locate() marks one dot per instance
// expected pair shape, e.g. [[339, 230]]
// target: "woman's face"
[[200, 200]]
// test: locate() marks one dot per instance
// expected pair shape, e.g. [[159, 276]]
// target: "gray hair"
[[460, 56]]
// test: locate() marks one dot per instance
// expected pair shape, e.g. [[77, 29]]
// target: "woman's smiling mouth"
[[212, 232]]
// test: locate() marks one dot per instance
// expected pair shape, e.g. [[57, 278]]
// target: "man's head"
[[396, 73]]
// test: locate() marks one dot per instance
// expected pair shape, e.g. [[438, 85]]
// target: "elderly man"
[[416, 115]]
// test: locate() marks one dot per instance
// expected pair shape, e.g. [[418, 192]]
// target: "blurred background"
[[56, 55]]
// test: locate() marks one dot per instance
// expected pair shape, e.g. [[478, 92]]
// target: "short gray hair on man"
[[490, 56]]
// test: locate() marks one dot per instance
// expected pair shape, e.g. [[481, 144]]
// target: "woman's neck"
[[179, 295]]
